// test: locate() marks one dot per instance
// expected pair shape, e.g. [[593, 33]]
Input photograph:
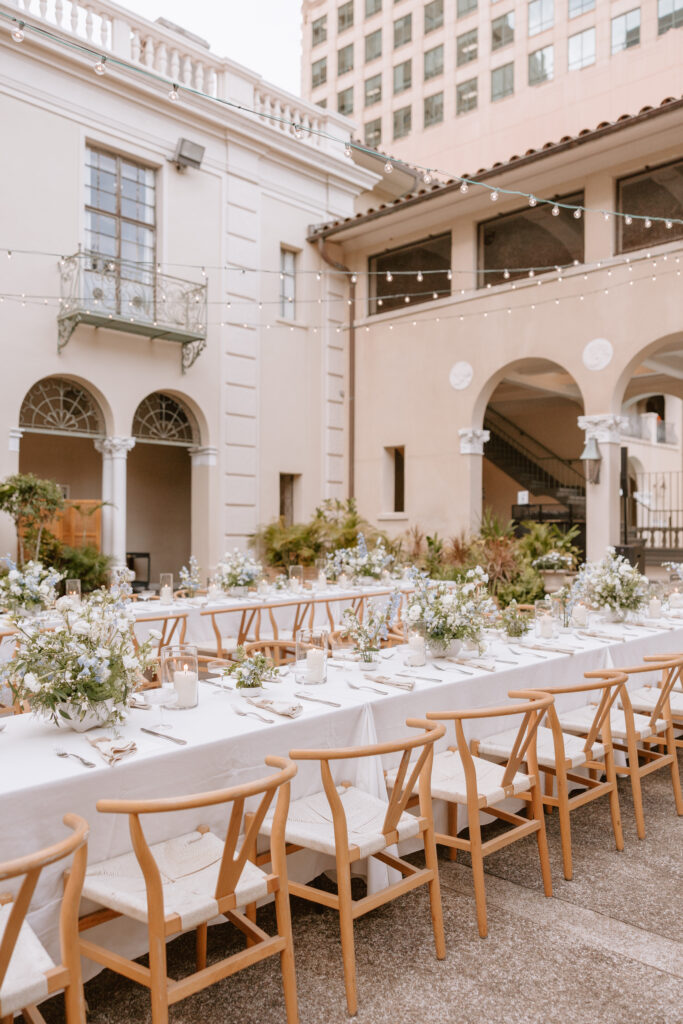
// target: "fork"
[[374, 689], [67, 753], [252, 714]]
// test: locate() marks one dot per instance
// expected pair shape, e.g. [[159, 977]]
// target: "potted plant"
[[29, 590], [190, 578], [450, 615], [554, 567], [515, 623], [612, 586], [81, 673], [370, 631], [250, 673], [236, 572]]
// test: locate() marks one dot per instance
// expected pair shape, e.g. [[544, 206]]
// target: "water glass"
[[312, 646]]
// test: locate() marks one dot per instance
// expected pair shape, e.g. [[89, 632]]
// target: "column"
[[472, 443], [602, 499], [205, 527], [114, 473]]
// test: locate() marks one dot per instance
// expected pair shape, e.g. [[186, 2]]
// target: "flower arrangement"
[[554, 561], [359, 561], [366, 633], [444, 613], [613, 584], [514, 622], [237, 569], [190, 578], [27, 589], [249, 673], [86, 667]]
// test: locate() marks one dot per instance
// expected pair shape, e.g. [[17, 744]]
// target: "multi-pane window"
[[502, 81], [417, 270], [287, 284], [403, 30], [121, 213], [345, 101], [373, 45], [403, 121], [657, 192], [465, 6], [403, 76], [467, 47], [669, 15], [433, 62], [319, 31], [626, 30], [319, 72], [530, 237], [372, 7], [503, 30], [433, 109], [541, 16], [433, 16], [541, 65], [373, 133], [466, 94], [345, 59], [373, 90], [345, 16], [577, 7], [581, 49]]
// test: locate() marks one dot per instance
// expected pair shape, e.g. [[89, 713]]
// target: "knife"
[[165, 736], [318, 700]]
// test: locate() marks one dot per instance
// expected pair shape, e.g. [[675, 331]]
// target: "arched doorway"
[[59, 420], [159, 502], [531, 467]]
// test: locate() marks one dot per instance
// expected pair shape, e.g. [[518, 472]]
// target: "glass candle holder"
[[72, 589], [214, 591], [654, 604], [180, 672], [312, 646], [320, 574], [166, 588], [296, 577], [546, 623], [417, 652]]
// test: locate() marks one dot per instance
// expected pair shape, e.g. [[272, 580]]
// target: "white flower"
[[81, 628], [31, 682], [130, 661], [155, 634], [63, 604]]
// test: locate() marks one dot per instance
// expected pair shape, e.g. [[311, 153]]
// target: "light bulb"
[[99, 68], [389, 277], [406, 298], [380, 302], [532, 273], [388, 167], [449, 275], [427, 178], [494, 196], [354, 278], [606, 216], [668, 224], [18, 32], [628, 220], [555, 211], [648, 222], [506, 275], [435, 295], [298, 131], [464, 187], [318, 276], [173, 94], [532, 200], [420, 276], [577, 214], [347, 149]]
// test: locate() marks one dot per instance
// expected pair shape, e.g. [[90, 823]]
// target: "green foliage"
[[32, 503], [334, 524], [541, 538], [492, 528], [86, 564], [525, 588]]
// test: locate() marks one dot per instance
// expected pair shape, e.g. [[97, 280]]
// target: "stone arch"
[[64, 405], [651, 348], [163, 417]]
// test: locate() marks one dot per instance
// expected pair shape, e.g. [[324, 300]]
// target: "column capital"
[[472, 441], [14, 437], [203, 455], [606, 428], [115, 447]]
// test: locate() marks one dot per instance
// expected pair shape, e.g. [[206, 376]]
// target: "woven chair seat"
[[189, 867], [580, 721], [448, 779], [309, 822], [502, 743], [645, 700], [25, 982]]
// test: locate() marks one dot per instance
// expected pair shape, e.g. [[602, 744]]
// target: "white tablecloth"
[[37, 788]]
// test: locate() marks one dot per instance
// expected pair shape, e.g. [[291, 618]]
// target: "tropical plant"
[[86, 564], [539, 539], [32, 503], [334, 524]]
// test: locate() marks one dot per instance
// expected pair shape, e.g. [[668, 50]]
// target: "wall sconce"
[[592, 459], [187, 154]]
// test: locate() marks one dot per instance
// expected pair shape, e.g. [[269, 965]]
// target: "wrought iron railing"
[[658, 509], [108, 292]]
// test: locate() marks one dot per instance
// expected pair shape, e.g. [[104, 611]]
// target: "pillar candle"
[[654, 608], [546, 626], [416, 651], [676, 599], [166, 595], [315, 665], [185, 685], [580, 615]]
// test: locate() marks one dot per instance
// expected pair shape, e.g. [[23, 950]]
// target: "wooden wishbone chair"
[[280, 652], [559, 753], [224, 646], [460, 778], [302, 617], [172, 628], [350, 824], [644, 722], [191, 879], [27, 972], [646, 698]]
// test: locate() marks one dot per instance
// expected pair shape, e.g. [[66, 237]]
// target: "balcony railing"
[[122, 296], [648, 427]]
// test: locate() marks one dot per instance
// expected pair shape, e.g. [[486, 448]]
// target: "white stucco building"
[[167, 346]]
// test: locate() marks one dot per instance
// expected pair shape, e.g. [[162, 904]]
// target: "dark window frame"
[[389, 259]]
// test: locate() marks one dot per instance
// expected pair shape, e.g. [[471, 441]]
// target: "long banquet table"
[[37, 788]]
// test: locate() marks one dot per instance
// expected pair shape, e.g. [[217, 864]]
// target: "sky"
[[264, 35]]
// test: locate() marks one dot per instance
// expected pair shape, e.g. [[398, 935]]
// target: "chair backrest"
[[671, 668], [535, 706], [250, 622], [29, 868], [233, 858], [609, 683], [419, 774], [172, 627], [303, 613], [280, 652]]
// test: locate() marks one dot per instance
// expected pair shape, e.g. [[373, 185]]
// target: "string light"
[[532, 200], [506, 275], [427, 178], [494, 196], [464, 187], [389, 276], [628, 220], [577, 214], [17, 33], [298, 131], [648, 222], [420, 276], [555, 210], [388, 167], [354, 278], [173, 94], [347, 150], [99, 68]]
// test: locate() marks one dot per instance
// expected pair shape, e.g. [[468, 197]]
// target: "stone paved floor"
[[607, 949]]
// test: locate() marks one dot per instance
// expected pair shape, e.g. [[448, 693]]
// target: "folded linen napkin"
[[290, 709], [112, 751], [402, 684], [485, 663]]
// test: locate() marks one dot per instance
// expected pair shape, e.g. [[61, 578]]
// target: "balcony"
[[650, 428], [107, 292]]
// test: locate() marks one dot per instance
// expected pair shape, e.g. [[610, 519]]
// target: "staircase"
[[534, 466]]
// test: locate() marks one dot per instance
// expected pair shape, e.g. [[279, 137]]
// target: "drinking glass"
[[216, 669], [162, 697], [312, 647]]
